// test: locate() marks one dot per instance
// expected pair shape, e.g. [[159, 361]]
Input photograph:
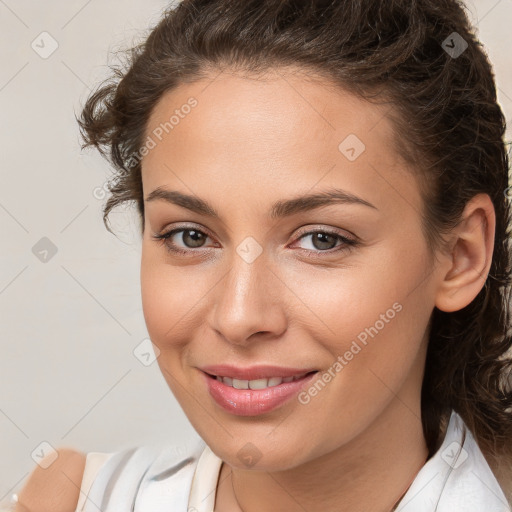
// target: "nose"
[[248, 304]]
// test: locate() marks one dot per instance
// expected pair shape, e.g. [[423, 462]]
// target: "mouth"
[[252, 397], [262, 383]]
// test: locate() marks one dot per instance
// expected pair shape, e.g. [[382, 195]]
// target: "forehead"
[[286, 103], [283, 129]]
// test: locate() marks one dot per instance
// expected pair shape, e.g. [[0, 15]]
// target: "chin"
[[259, 455]]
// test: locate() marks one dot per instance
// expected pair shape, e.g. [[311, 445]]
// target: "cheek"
[[381, 299], [171, 298], [374, 321], [168, 300], [345, 303], [162, 297], [364, 319]]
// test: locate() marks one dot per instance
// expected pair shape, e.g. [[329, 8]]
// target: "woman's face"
[[264, 282]]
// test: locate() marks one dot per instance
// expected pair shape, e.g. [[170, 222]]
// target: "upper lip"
[[254, 372]]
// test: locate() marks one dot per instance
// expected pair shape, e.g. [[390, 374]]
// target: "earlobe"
[[471, 256]]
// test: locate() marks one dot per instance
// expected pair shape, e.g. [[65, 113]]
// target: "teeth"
[[262, 383], [240, 384], [256, 383]]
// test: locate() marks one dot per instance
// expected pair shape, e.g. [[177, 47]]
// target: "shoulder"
[[115, 480], [144, 475], [54, 484]]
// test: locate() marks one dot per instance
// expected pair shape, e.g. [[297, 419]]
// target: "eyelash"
[[347, 243]]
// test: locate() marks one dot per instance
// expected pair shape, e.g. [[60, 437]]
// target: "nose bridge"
[[246, 301]]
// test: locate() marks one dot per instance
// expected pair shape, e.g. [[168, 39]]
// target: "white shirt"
[[150, 479]]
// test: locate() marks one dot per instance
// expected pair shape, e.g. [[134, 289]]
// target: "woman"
[[323, 195]]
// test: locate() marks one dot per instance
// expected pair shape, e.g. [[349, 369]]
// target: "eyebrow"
[[280, 209]]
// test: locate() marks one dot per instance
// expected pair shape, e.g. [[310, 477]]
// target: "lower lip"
[[251, 402]]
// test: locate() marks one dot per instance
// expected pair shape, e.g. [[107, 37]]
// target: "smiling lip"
[[251, 402], [254, 372]]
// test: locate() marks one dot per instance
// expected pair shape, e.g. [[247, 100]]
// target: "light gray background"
[[69, 325]]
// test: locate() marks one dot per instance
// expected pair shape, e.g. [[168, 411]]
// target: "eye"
[[324, 241], [192, 239]]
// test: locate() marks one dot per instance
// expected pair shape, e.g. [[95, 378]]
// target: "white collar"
[[456, 478]]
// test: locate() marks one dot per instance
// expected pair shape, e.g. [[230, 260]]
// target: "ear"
[[471, 255]]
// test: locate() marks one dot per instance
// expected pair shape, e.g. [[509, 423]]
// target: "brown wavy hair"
[[448, 125]]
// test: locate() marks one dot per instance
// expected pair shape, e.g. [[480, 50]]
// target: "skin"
[[54, 487], [251, 142]]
